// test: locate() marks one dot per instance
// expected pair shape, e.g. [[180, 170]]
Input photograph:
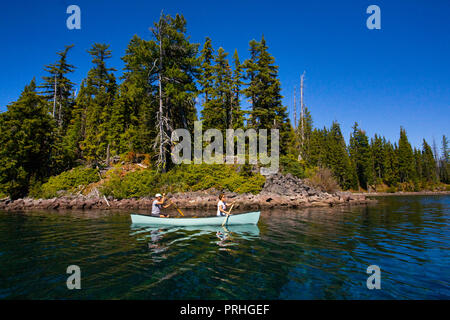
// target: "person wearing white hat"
[[158, 204]]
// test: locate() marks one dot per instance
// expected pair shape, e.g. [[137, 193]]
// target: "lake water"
[[291, 254]]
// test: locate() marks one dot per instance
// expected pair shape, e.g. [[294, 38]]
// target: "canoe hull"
[[234, 219]]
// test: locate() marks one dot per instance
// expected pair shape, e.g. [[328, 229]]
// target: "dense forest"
[[52, 127]]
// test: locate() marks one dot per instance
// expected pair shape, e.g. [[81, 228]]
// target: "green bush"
[[391, 189], [67, 181], [181, 179], [291, 165], [134, 184]]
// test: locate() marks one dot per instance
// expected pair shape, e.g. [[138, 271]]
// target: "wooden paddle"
[[179, 211], [226, 219]]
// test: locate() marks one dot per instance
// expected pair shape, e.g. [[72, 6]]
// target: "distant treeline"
[[51, 128]]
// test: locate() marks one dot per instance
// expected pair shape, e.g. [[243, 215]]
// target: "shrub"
[[67, 181], [291, 165], [134, 184], [391, 189], [323, 179], [182, 178], [406, 186]]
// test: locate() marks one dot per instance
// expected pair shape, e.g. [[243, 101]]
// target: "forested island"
[[110, 139]]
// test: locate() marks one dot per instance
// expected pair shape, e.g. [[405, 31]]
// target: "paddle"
[[226, 219], [179, 211]]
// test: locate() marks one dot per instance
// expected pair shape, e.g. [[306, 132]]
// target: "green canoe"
[[233, 219]]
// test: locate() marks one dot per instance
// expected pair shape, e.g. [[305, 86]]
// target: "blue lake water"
[[292, 254]]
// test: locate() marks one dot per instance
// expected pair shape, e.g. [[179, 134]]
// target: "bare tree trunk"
[[302, 115], [231, 112], [107, 154], [295, 109], [162, 156], [59, 114], [54, 100]]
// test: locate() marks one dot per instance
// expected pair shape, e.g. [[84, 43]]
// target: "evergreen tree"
[[264, 90], [58, 89], [206, 77], [316, 150], [237, 113], [217, 111], [444, 162], [176, 71], [428, 163], [305, 141], [100, 92], [405, 158], [377, 146], [361, 156], [25, 143], [75, 133], [391, 175], [445, 149], [135, 105], [337, 158], [418, 162]]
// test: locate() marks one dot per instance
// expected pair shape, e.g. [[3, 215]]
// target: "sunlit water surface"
[[291, 254]]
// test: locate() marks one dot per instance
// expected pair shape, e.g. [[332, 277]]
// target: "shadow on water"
[[317, 253]]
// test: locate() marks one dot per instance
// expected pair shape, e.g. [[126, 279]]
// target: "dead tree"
[[295, 110], [162, 141], [302, 111]]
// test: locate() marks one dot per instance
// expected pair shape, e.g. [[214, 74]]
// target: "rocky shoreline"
[[279, 191], [405, 193]]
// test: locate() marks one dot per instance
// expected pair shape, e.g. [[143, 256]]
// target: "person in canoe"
[[158, 204], [222, 206]]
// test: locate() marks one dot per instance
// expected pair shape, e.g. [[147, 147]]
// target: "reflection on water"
[[225, 235], [292, 254]]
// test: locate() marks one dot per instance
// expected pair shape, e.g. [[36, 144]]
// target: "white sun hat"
[[158, 195]]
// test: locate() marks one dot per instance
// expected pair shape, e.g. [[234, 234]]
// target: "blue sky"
[[383, 79]]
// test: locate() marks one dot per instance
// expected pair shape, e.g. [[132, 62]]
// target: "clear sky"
[[383, 79]]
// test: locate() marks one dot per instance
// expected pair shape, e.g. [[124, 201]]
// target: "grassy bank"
[[134, 181]]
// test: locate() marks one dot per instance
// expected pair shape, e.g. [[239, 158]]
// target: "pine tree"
[[28, 132], [316, 149], [361, 156], [377, 146], [405, 158], [305, 140], [75, 133], [445, 149], [391, 175], [58, 89], [100, 92], [217, 111], [237, 113], [418, 163], [264, 90], [250, 70], [176, 71], [135, 105], [444, 162], [206, 77], [337, 158], [428, 164]]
